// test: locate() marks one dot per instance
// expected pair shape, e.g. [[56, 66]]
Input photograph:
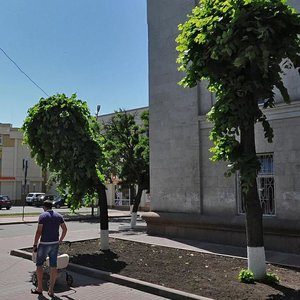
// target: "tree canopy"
[[243, 49], [127, 148], [62, 138]]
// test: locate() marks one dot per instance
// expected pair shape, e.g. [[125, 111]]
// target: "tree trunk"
[[254, 226], [136, 204], [132, 195], [104, 236]]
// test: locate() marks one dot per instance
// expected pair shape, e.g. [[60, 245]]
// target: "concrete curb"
[[123, 280]]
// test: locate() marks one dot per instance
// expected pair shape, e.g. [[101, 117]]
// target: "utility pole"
[[24, 168], [97, 116]]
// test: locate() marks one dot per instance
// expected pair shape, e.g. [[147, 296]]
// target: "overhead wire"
[[23, 71]]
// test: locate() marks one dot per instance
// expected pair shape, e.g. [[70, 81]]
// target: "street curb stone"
[[123, 280]]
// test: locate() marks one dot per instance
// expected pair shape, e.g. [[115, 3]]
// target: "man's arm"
[[37, 236], [64, 231]]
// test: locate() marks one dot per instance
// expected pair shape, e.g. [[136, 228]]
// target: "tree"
[[242, 47], [62, 136], [127, 146]]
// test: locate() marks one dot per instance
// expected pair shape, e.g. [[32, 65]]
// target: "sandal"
[[35, 291], [50, 295]]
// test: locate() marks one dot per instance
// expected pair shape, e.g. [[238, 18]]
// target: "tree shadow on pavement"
[[287, 293], [96, 219]]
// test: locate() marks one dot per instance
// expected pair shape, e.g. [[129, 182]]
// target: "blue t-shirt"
[[51, 221]]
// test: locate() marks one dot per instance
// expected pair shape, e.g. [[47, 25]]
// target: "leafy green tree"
[[127, 146], [62, 136], [242, 48]]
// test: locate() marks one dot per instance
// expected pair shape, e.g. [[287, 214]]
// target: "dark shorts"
[[47, 250]]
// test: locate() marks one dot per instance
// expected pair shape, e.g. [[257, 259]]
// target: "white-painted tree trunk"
[[257, 261], [104, 240], [133, 220]]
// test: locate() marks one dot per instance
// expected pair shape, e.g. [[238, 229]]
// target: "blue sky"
[[94, 48]]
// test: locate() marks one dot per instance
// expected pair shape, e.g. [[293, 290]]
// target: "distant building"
[[135, 111], [13, 157], [118, 196]]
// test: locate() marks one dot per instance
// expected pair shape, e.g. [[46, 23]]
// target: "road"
[[38, 210]]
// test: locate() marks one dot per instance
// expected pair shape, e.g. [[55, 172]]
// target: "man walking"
[[47, 234]]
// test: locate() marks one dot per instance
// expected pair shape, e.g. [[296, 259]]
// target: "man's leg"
[[40, 258], [39, 274], [53, 268], [53, 276]]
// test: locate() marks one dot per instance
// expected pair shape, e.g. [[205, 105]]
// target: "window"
[[122, 196], [265, 186]]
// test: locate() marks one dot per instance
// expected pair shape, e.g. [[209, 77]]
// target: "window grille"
[[265, 186], [122, 196]]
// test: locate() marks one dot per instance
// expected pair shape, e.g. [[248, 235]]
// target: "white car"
[[31, 197]]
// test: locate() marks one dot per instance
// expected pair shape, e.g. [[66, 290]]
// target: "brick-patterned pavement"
[[15, 281]]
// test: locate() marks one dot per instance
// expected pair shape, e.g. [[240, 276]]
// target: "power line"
[[23, 72]]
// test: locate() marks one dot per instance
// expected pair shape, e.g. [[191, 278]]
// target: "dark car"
[[58, 201], [39, 200], [5, 202]]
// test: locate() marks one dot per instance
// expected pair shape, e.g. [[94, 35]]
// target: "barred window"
[[122, 196], [265, 186]]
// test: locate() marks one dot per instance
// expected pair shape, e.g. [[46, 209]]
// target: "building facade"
[[14, 156], [190, 197]]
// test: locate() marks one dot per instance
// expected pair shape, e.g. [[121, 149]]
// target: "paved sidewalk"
[[91, 288], [16, 272]]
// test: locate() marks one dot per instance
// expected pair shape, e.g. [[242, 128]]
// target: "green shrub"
[[246, 276], [271, 278]]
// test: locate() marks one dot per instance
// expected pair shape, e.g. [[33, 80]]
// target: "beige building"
[[13, 156]]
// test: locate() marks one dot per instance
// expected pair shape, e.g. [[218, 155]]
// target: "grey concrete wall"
[[174, 139], [218, 192], [183, 179], [287, 163]]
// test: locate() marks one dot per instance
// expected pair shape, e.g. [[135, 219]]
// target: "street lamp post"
[[97, 116], [97, 111], [24, 168]]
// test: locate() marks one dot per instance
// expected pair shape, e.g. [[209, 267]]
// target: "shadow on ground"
[[287, 293]]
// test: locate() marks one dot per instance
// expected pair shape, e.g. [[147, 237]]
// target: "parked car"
[[38, 201], [58, 202], [32, 197], [5, 202]]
